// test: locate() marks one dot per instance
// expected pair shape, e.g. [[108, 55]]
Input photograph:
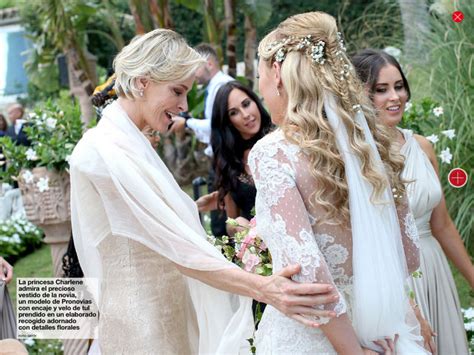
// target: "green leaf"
[[259, 11]]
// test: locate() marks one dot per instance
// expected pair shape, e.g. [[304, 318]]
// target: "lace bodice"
[[286, 220]]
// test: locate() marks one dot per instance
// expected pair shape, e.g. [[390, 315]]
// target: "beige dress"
[[142, 301], [435, 291], [131, 223]]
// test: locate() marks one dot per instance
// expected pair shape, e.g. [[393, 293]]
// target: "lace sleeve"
[[409, 232], [283, 221]]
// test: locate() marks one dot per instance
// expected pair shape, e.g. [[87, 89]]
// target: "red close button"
[[458, 16], [457, 177]]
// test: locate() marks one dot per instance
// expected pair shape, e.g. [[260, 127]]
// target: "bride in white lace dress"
[[163, 288], [324, 200]]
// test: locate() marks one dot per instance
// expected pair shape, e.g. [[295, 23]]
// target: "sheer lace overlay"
[[286, 221]]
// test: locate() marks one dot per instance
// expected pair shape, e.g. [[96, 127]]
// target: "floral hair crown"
[[312, 47]]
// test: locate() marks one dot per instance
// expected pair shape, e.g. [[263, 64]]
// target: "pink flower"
[[248, 241], [250, 261], [253, 222]]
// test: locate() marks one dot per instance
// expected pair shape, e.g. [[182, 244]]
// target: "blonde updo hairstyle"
[[306, 83], [160, 55]]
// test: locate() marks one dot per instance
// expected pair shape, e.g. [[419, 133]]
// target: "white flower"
[[43, 184], [4, 228], [29, 341], [450, 133], [32, 115], [393, 51], [438, 111], [27, 176], [61, 113], [446, 156], [51, 123], [408, 106], [469, 313], [31, 154], [16, 238], [469, 326], [433, 138]]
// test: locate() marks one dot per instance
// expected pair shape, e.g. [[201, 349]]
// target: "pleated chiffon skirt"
[[437, 297]]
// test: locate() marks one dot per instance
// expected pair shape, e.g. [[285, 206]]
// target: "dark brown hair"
[[369, 62]]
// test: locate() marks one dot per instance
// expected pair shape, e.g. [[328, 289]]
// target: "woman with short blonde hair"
[[163, 288]]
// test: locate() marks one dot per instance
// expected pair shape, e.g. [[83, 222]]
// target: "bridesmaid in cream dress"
[[435, 291]]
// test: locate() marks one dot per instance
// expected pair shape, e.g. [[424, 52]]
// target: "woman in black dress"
[[238, 122]]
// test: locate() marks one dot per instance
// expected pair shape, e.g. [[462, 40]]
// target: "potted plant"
[[41, 170]]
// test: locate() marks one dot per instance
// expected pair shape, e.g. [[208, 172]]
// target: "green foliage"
[[44, 346], [196, 101], [53, 129], [37, 264], [188, 20], [451, 82], [376, 25], [5, 4], [419, 116], [17, 236]]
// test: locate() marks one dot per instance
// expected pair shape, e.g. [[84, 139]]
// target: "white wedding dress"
[[286, 220]]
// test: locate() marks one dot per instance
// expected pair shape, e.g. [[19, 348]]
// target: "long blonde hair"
[[306, 82]]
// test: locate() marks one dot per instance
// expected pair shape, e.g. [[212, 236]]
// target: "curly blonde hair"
[[307, 79]]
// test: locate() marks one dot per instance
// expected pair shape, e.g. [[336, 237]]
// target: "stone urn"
[[46, 197]]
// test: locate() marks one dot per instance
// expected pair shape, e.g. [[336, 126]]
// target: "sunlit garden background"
[[69, 46]]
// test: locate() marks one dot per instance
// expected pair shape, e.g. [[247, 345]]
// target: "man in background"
[[15, 130], [211, 75]]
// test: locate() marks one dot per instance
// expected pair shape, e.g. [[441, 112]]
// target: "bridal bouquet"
[[246, 248]]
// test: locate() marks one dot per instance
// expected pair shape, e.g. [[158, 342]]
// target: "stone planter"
[[47, 205], [46, 196]]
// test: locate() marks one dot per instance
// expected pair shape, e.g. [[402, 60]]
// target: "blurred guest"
[[16, 130], [238, 121], [3, 125], [209, 74]]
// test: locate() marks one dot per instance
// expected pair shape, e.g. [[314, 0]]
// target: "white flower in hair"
[[305, 42], [438, 111], [433, 138], [280, 55], [317, 52], [450, 133], [446, 156], [341, 41], [408, 106]]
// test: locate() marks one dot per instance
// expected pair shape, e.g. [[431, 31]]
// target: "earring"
[[278, 92], [141, 93]]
